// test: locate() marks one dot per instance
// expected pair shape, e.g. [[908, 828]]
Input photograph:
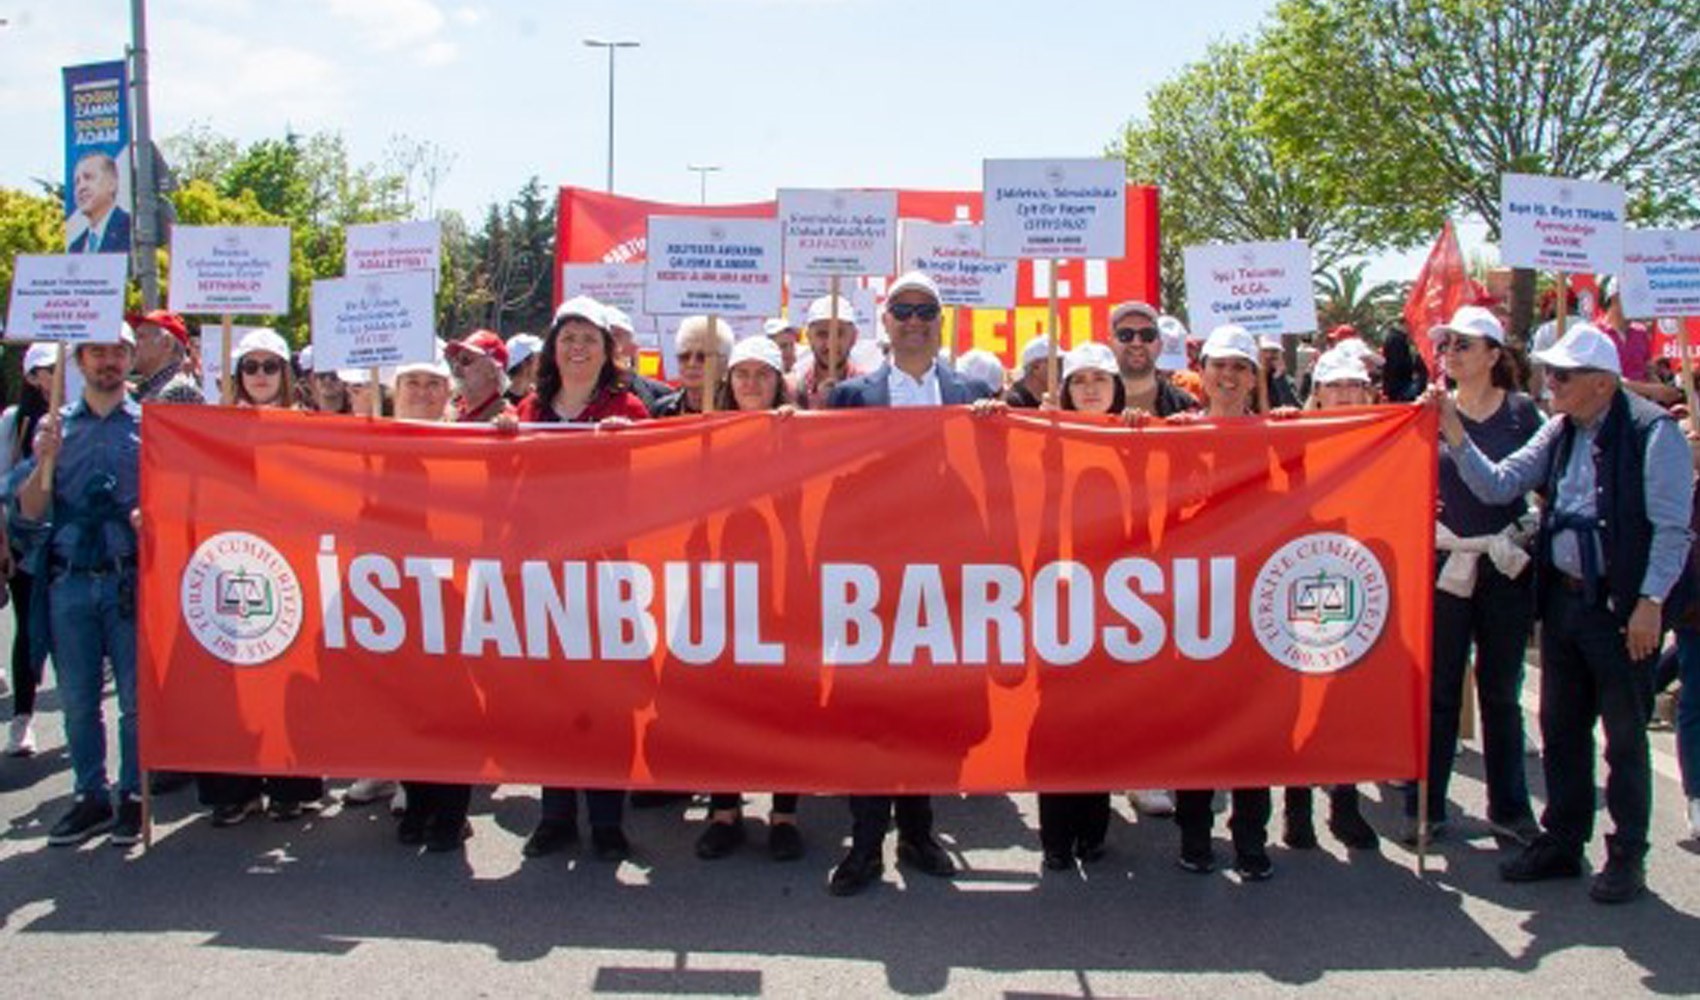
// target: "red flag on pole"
[[1441, 287]]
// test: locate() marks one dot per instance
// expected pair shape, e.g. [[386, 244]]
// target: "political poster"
[[1264, 287], [385, 247], [72, 298], [1661, 273], [715, 267], [374, 320], [1055, 208], [235, 270], [839, 233], [954, 255], [1559, 224], [98, 192]]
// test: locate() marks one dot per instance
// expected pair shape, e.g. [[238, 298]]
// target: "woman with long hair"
[[17, 443]]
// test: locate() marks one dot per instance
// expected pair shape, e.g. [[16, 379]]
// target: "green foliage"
[[29, 223], [503, 274], [1343, 296]]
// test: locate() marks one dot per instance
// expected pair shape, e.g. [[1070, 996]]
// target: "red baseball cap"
[[1345, 331], [168, 321], [482, 342]]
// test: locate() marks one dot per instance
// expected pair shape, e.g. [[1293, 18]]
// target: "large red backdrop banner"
[[918, 600], [594, 227]]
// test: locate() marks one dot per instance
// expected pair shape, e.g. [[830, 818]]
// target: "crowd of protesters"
[[1566, 497]]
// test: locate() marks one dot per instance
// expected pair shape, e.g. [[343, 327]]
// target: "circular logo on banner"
[[241, 598], [1319, 603]]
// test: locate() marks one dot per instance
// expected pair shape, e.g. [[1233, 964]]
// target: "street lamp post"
[[597, 43], [702, 173]]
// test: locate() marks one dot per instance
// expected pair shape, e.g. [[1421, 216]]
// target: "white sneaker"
[[1694, 818], [368, 790], [398, 801], [20, 737], [1152, 802]]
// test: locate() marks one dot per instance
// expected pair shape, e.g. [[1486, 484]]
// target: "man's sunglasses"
[[1560, 376], [903, 312], [1127, 334], [270, 366], [693, 357]]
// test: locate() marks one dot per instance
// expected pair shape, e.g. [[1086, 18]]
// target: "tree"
[[504, 274], [1343, 296], [29, 223], [1425, 103]]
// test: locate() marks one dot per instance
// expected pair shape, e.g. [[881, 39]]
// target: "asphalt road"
[[332, 906]]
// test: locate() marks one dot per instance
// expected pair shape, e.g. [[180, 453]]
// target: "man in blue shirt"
[[1618, 484], [87, 547]]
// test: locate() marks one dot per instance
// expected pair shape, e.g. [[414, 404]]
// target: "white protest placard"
[[1055, 208], [212, 362], [954, 255], [378, 319], [1661, 273], [702, 265], [843, 233], [383, 247], [617, 285], [1264, 287], [804, 292], [1557, 224], [74, 298], [230, 269]]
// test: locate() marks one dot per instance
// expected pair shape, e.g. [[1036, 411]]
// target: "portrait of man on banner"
[[97, 159]]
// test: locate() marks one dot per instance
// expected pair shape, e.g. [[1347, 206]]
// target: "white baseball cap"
[[305, 358], [758, 349], [981, 364], [1089, 356], [913, 281], [1339, 366], [616, 318], [820, 311], [1132, 308], [261, 339], [1269, 342], [1037, 349], [523, 345], [1171, 333], [438, 365], [40, 355], [582, 307], [778, 325], [1471, 321], [1582, 346], [1359, 348], [1230, 341]]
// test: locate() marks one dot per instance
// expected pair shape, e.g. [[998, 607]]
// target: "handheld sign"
[[384, 247], [1556, 224], [226, 270], [70, 298], [617, 285], [712, 266], [1661, 273], [839, 233], [954, 256], [1264, 287], [387, 319], [1055, 208]]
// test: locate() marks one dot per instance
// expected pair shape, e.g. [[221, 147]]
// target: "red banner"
[[593, 227], [1441, 287], [889, 599]]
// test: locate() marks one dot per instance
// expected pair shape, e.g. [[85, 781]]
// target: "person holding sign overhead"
[[1611, 552], [702, 352]]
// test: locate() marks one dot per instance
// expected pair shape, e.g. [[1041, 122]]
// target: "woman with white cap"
[[754, 378], [1091, 380], [702, 352], [1482, 605], [263, 375], [17, 443], [522, 365]]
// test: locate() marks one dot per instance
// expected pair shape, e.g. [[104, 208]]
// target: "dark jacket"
[[1172, 399], [650, 392], [1020, 398], [873, 389]]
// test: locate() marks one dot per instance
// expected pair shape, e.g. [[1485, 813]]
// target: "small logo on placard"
[[73, 268], [394, 233], [838, 203], [1320, 603], [232, 240], [241, 599], [962, 236], [374, 289], [1669, 244], [716, 232], [1248, 258], [1565, 195], [1056, 175]]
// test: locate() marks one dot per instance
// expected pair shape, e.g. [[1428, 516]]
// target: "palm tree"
[[1342, 296]]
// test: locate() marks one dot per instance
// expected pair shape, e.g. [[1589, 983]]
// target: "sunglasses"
[[1146, 334], [270, 366], [903, 312], [692, 357], [1458, 345], [1561, 376]]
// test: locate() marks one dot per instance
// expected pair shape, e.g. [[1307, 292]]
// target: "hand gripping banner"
[[919, 600]]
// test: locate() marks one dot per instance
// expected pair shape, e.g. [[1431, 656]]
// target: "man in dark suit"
[[94, 185], [913, 377]]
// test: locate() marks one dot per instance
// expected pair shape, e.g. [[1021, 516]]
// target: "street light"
[[702, 173], [597, 43]]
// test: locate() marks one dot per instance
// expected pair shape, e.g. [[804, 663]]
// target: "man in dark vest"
[[1615, 474]]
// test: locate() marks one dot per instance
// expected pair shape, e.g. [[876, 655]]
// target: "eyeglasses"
[[1146, 334], [464, 359], [1561, 376], [692, 357], [270, 366], [903, 312]]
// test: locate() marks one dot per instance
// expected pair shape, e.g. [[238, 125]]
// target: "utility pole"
[[146, 220], [596, 43]]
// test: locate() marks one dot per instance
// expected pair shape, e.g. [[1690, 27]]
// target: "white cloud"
[[468, 16], [200, 72], [416, 26]]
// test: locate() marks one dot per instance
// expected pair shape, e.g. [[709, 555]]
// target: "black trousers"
[[26, 670], [1586, 675], [232, 789], [783, 802], [1068, 820], [1296, 800], [1249, 824], [447, 804], [871, 816]]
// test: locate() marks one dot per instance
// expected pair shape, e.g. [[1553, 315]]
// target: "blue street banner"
[[98, 192]]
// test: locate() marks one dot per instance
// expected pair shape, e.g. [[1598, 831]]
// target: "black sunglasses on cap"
[[905, 311], [1126, 334]]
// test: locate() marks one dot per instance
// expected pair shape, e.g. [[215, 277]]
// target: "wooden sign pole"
[[832, 331], [1562, 299], [377, 408], [1054, 336], [227, 377], [954, 347], [56, 402], [710, 361]]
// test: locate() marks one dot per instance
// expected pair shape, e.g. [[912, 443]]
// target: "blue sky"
[[778, 93]]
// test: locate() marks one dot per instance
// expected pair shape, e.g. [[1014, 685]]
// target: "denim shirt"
[[96, 484]]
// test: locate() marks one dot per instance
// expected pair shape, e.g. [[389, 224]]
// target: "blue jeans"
[[87, 628], [1688, 710]]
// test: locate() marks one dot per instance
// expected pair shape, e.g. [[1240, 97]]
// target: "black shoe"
[[1521, 831], [1350, 828], [926, 856], [1197, 856], [1058, 861], [234, 813], [411, 829], [1299, 833], [445, 835], [284, 810], [1253, 866], [610, 843], [720, 839], [1545, 859], [655, 800], [784, 841], [127, 829], [549, 837], [1624, 877], [166, 782], [88, 816], [1089, 851], [856, 872]]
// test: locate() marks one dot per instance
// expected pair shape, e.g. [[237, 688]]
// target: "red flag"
[[1441, 287]]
